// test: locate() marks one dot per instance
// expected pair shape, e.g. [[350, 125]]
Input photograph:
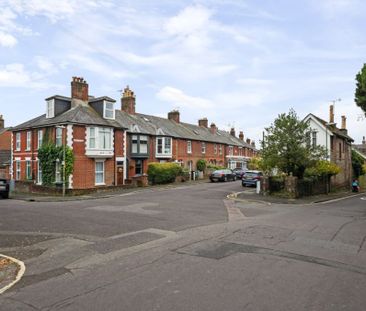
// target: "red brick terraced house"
[[85, 124], [5, 149], [111, 145], [156, 139]]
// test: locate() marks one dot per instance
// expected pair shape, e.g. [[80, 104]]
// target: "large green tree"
[[360, 94], [286, 146]]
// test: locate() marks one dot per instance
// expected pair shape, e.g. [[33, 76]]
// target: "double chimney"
[[174, 116], [331, 119]]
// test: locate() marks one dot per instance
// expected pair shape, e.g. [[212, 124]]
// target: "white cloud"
[[189, 21], [178, 98], [7, 40]]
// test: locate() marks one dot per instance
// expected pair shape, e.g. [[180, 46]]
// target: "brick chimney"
[[253, 143], [248, 141], [241, 135], [213, 128], [79, 91], [344, 127], [331, 114], [174, 116], [232, 132], [203, 122], [2, 122], [128, 101], [363, 140]]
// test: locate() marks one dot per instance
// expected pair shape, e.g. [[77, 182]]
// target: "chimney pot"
[[344, 123], [331, 114]]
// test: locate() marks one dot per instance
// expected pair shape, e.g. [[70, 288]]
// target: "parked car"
[[250, 178], [239, 172], [222, 175], [4, 188]]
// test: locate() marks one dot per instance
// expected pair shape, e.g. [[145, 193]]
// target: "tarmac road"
[[188, 248]]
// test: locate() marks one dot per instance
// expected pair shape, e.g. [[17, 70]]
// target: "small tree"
[[255, 163], [323, 168], [287, 148], [201, 165], [360, 94], [357, 164]]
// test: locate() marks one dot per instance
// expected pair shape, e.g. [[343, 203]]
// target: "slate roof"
[[152, 125], [335, 130], [77, 115], [137, 123]]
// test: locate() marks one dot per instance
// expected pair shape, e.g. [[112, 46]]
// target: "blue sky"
[[238, 63]]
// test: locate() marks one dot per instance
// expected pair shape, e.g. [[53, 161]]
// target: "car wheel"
[[225, 178], [5, 195]]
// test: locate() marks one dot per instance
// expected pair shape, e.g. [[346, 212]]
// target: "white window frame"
[[143, 139], [215, 148], [220, 149], [58, 167], [28, 169], [17, 141], [17, 169], [40, 138], [231, 151], [96, 172], [106, 110], [50, 111], [58, 141], [314, 139], [39, 172], [240, 151], [203, 147], [97, 136], [189, 146], [29, 141], [164, 151]]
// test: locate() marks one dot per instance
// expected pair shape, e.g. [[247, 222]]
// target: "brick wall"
[[341, 156]]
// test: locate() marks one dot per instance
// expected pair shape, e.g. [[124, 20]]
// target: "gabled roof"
[[77, 115], [332, 128]]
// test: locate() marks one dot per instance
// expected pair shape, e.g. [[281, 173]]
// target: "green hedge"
[[163, 173]]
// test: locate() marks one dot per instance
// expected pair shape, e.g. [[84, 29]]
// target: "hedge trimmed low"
[[163, 173]]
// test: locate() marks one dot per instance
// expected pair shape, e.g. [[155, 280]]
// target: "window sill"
[[101, 184], [158, 155]]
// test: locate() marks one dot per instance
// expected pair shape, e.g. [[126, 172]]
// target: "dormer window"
[[108, 110], [50, 113]]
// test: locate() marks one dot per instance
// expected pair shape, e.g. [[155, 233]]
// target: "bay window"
[[139, 145], [99, 141]]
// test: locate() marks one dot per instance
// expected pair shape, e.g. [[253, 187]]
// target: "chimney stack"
[[174, 116], [2, 122], [79, 91], [213, 128], [253, 143], [241, 135], [128, 101], [344, 123], [248, 141], [203, 122], [363, 140], [331, 114], [232, 132]]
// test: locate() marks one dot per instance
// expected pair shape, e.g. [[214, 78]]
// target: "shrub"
[[201, 165], [163, 173], [322, 168], [215, 167]]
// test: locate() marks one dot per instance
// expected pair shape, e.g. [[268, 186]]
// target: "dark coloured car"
[[250, 178], [4, 188], [222, 175], [239, 172]]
